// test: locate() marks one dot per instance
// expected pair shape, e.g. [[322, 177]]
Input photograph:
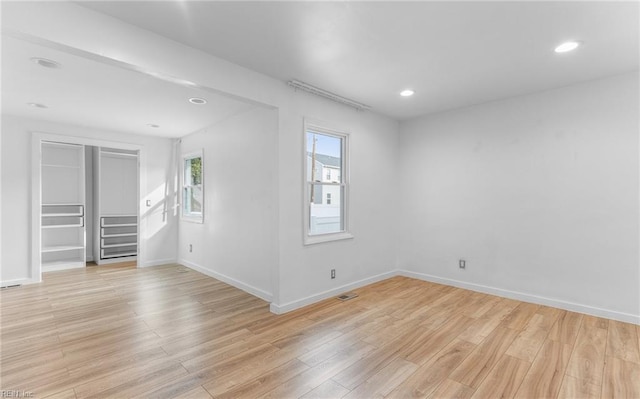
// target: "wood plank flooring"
[[170, 332]]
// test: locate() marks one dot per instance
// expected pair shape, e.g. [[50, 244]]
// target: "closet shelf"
[[60, 166], [119, 235], [62, 226], [118, 154], [60, 248], [124, 244], [62, 264], [62, 221], [120, 225]]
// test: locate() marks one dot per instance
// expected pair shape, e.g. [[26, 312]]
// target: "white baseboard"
[[158, 262], [521, 296], [17, 281], [264, 295], [63, 266], [287, 307]]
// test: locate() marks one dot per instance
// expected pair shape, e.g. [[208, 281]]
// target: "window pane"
[[196, 199], [193, 171], [192, 200], [326, 209], [324, 158]]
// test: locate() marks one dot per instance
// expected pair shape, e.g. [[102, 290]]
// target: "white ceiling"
[[453, 54], [88, 92]]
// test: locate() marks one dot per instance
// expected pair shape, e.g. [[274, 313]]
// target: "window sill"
[[192, 220], [320, 238]]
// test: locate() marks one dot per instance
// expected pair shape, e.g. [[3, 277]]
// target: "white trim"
[[158, 262], [63, 266], [35, 269], [264, 295], [521, 296], [319, 238], [293, 305], [17, 281]]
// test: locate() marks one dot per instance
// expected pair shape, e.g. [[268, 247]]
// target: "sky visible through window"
[[326, 145]]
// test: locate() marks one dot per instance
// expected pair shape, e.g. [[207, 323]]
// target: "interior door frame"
[[37, 138]]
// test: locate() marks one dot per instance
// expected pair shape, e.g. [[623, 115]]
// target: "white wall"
[[538, 193], [237, 242], [160, 225], [304, 274], [252, 236], [118, 185]]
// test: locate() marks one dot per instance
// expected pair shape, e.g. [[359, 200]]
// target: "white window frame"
[[325, 129], [194, 217]]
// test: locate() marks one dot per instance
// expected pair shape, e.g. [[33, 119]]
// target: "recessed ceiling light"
[[407, 93], [567, 46], [37, 105], [197, 101], [153, 125], [44, 62]]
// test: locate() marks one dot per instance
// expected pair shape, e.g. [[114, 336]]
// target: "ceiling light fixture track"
[[296, 84]]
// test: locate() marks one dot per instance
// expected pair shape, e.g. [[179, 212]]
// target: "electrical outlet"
[[333, 273], [462, 264], [190, 247]]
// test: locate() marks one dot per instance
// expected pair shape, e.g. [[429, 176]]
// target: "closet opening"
[[112, 230], [86, 200]]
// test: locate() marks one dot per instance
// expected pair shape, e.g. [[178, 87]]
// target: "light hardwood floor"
[[167, 332]]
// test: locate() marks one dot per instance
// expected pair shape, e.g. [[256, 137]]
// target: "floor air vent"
[[346, 297]]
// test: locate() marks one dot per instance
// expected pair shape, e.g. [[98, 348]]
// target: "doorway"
[[85, 202]]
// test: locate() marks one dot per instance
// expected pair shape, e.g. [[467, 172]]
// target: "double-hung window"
[[192, 187], [326, 184]]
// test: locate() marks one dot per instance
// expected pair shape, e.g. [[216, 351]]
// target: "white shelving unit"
[[76, 203], [116, 204], [118, 237], [62, 224]]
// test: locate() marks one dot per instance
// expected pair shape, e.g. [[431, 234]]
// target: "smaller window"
[[328, 174], [328, 198], [192, 187]]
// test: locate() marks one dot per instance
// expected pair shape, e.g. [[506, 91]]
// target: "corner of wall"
[[293, 305], [525, 297], [264, 295]]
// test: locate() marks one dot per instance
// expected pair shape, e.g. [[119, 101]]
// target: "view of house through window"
[[192, 187], [326, 185]]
